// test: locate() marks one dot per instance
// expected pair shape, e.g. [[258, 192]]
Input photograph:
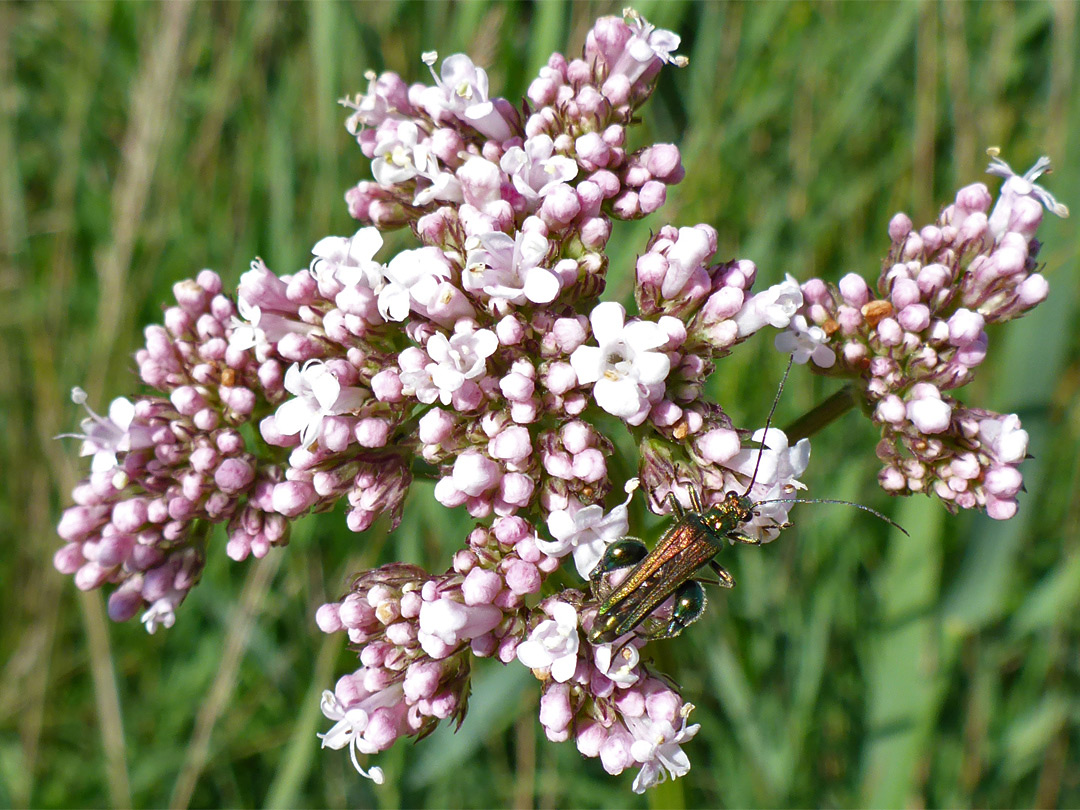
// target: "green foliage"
[[851, 666]]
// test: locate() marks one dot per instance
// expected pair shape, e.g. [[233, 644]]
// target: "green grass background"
[[852, 666]]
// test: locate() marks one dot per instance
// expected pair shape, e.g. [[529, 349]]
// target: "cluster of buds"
[[924, 334], [484, 359]]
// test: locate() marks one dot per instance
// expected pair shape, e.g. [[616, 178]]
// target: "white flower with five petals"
[[775, 306], [348, 729], [553, 644], [587, 531], [625, 368], [535, 169], [804, 342], [459, 358], [317, 394], [656, 746], [510, 268]]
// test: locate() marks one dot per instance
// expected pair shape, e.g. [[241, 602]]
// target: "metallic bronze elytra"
[[696, 537]]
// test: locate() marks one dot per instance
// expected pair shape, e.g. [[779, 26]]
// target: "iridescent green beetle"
[[696, 537]]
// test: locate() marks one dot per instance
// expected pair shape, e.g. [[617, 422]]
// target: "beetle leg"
[[689, 605], [695, 499], [726, 579], [676, 507], [742, 537]]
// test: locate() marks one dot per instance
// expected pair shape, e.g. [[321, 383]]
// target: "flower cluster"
[[483, 358], [923, 333]]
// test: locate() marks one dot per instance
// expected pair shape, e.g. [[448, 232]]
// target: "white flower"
[[587, 531], [446, 623], [804, 342], [623, 366], [1016, 187], [462, 89], [774, 306], [318, 394], [259, 330], [927, 411], [400, 156], [535, 169], [462, 357], [412, 277], [348, 729], [103, 437], [163, 612], [776, 477], [649, 41], [509, 269], [656, 746], [1004, 437], [620, 668], [553, 644], [349, 260]]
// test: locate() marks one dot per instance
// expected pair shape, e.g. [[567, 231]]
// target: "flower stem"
[[822, 414]]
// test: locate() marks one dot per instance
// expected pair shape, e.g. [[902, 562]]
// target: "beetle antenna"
[[768, 422], [873, 512]]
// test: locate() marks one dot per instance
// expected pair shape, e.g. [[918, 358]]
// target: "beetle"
[[692, 542]]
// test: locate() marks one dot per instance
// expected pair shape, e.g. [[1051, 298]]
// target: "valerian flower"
[[625, 369], [553, 643], [317, 394]]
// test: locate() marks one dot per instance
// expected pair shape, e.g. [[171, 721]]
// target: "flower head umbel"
[[481, 358]]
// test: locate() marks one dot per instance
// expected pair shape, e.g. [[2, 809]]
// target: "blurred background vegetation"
[[851, 666]]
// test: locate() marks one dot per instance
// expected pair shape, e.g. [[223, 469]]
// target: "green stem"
[[822, 414]]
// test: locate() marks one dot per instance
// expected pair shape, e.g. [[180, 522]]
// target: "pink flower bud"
[[652, 196], [234, 475], [292, 498], [914, 317], [965, 327], [522, 577], [891, 410], [474, 473], [589, 465], [386, 385], [555, 711], [1032, 290], [889, 332], [569, 333], [372, 432], [328, 619], [1000, 508], [435, 426], [718, 445], [905, 292], [560, 206], [664, 162], [510, 331], [516, 489], [899, 227]]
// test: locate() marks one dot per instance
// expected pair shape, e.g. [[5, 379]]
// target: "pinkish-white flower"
[[535, 169], [553, 644], [105, 436], [445, 623], [349, 727], [316, 395], [776, 476], [1015, 188], [656, 746], [619, 666], [624, 366], [775, 307], [586, 531], [804, 342], [457, 359], [462, 89], [413, 278], [349, 260], [1004, 438], [510, 268]]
